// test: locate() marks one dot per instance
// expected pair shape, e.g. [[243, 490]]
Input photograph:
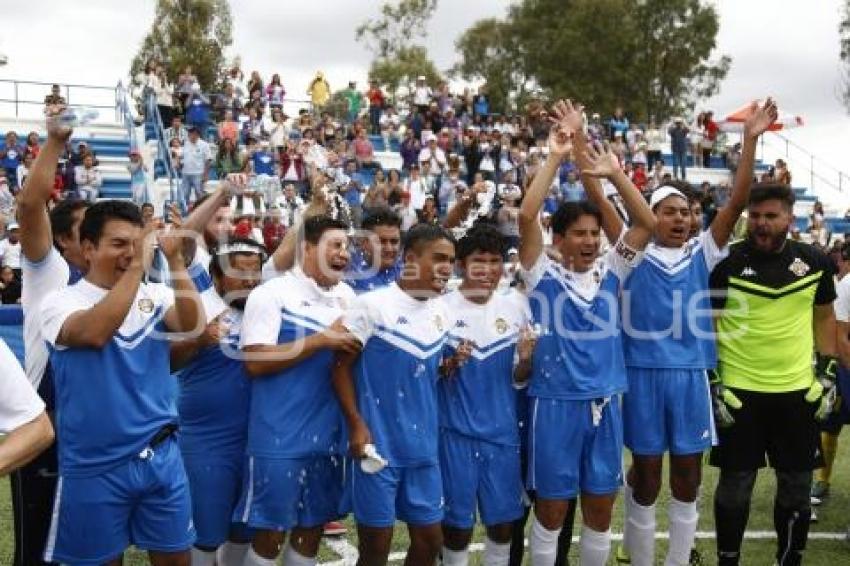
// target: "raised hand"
[[570, 116], [526, 343], [603, 162], [55, 128], [760, 118], [145, 246], [560, 141], [235, 183], [171, 239]]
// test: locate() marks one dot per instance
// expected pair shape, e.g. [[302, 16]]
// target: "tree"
[[650, 56], [188, 32], [392, 38]]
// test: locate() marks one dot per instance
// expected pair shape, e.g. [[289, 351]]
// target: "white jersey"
[[39, 280], [19, 403]]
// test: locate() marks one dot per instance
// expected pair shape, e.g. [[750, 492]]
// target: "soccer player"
[[51, 259], [375, 260], [121, 477], [290, 330], [578, 372], [479, 432], [668, 344], [213, 405], [23, 420], [775, 300], [388, 395]]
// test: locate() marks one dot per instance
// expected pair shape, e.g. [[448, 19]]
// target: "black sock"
[[730, 524], [790, 545]]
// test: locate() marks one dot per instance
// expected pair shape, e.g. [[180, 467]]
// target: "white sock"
[[455, 557], [683, 526], [202, 557], [543, 544], [254, 559], [292, 557], [639, 531], [594, 547], [232, 554], [496, 554]]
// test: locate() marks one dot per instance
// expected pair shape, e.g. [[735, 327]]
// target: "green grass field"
[[834, 517]]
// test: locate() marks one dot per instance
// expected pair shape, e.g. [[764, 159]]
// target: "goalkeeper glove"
[[722, 400], [823, 390]]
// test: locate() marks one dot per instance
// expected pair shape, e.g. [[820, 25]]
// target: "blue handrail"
[[164, 152]]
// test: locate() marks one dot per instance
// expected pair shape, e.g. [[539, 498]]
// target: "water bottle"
[[78, 116]]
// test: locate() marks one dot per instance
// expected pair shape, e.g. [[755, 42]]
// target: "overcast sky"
[[786, 48]]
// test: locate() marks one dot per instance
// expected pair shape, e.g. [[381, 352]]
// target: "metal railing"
[[27, 97], [821, 173], [163, 151]]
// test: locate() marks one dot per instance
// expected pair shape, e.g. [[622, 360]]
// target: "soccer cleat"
[[622, 555], [334, 529], [820, 491]]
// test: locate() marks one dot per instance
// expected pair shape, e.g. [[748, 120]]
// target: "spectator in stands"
[[435, 156], [292, 170], [7, 201], [507, 218], [618, 123], [376, 106], [409, 150], [11, 155], [364, 151], [148, 213], [228, 100], [255, 84], [354, 99], [164, 93], [175, 149], [228, 160], [279, 130], [395, 188], [23, 170], [228, 128], [198, 110], [782, 174], [619, 147], [196, 166], [10, 249], [654, 140], [33, 145], [451, 189], [319, 91], [138, 177], [175, 131], [10, 287], [481, 102], [377, 194], [54, 97], [422, 94], [572, 189], [733, 158], [638, 177], [273, 229], [327, 130], [185, 81], [275, 93], [709, 137], [88, 179], [353, 191], [262, 160], [254, 127], [678, 133]]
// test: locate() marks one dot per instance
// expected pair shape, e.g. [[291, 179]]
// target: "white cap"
[[12, 226], [662, 193]]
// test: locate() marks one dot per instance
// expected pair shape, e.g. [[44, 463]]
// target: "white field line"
[[348, 553]]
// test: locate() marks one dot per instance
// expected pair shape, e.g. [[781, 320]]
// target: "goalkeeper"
[[774, 307]]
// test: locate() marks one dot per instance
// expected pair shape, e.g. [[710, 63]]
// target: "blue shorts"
[[569, 454], [477, 471], [144, 501], [215, 484], [667, 410], [279, 494], [412, 494]]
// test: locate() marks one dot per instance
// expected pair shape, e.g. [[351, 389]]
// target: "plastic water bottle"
[[78, 116]]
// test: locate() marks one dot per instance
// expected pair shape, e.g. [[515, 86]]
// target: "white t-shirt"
[[19, 403], [39, 280], [842, 301], [195, 157], [11, 253]]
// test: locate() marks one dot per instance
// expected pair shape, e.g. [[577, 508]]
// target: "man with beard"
[[213, 406], [776, 307]]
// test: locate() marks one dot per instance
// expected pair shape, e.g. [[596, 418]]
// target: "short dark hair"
[[772, 191], [381, 216], [481, 238], [62, 218], [100, 213], [569, 212], [424, 233], [148, 205], [315, 226], [216, 269]]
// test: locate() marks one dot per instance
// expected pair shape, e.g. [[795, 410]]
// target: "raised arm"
[[759, 121], [530, 231], [603, 163], [36, 236], [187, 314]]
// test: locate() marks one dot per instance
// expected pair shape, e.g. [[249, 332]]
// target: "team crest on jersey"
[[438, 322], [799, 267], [501, 325], [748, 272], [146, 306]]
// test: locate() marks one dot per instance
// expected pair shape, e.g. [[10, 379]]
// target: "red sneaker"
[[334, 528]]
